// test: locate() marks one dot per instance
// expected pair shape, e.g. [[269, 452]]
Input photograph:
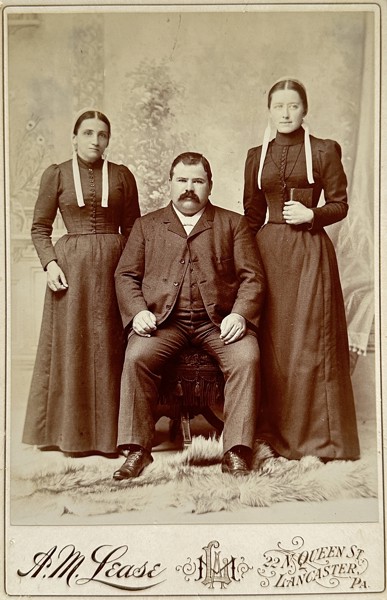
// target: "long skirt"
[[307, 403], [74, 397]]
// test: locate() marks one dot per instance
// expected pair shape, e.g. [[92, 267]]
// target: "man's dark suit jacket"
[[223, 255]]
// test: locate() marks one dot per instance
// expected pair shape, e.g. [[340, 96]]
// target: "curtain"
[[355, 243]]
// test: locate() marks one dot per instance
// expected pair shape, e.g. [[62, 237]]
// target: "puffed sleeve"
[[254, 201], [46, 208], [131, 209], [334, 184]]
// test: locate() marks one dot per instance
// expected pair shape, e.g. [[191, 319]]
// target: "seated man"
[[189, 272]]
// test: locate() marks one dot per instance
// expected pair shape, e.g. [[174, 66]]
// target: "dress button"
[[182, 261], [175, 283]]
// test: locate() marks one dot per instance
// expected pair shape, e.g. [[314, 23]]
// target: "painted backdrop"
[[172, 81]]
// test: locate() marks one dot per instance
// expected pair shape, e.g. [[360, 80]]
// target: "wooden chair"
[[192, 385]]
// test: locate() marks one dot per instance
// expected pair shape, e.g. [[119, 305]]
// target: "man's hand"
[[232, 328], [144, 323], [56, 279]]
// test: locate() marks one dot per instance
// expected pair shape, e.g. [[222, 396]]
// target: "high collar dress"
[[307, 405], [74, 397]]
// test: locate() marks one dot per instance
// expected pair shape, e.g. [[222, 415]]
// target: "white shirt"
[[188, 222]]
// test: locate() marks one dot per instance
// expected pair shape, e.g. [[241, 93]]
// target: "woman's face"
[[91, 139], [286, 110]]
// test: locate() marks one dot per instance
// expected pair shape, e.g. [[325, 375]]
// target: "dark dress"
[[307, 400], [74, 396]]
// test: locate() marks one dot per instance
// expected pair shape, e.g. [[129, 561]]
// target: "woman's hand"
[[56, 279], [296, 213]]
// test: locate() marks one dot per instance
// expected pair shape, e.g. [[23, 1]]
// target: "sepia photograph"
[[193, 295]]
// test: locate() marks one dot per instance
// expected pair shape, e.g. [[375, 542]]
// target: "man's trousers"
[[145, 358]]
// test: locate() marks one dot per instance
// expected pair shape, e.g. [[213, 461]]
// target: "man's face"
[[190, 188]]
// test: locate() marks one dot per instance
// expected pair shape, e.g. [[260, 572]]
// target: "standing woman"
[[307, 399], [74, 397]]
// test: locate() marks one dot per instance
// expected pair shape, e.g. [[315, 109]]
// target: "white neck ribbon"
[[308, 153], [265, 145], [78, 186]]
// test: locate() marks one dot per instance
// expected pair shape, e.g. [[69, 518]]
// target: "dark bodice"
[[92, 218], [57, 191], [284, 177]]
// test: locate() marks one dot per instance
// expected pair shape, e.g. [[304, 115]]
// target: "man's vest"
[[189, 301]]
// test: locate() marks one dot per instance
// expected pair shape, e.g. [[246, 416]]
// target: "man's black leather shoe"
[[138, 458], [237, 461]]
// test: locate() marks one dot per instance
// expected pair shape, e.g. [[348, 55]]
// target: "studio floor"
[[22, 458]]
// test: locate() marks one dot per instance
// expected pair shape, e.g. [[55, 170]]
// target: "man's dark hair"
[[192, 158]]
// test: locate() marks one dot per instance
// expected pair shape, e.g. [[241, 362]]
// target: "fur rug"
[[190, 480]]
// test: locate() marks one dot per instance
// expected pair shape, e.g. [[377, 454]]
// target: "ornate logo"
[[211, 569]]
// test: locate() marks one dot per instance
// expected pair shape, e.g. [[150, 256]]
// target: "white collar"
[[186, 220]]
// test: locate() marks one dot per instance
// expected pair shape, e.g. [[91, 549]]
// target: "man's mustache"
[[190, 196]]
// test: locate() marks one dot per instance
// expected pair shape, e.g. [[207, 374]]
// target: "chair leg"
[[185, 427], [174, 428]]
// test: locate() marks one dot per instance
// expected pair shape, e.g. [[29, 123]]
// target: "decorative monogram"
[[211, 569]]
